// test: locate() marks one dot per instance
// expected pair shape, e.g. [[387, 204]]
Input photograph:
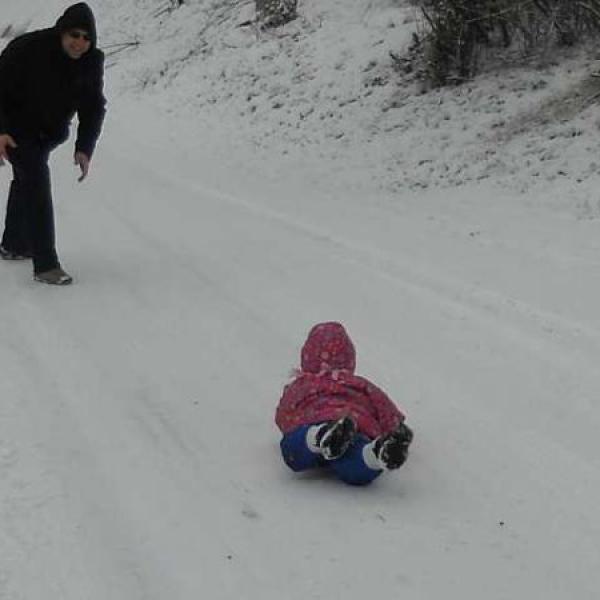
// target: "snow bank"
[[322, 94]]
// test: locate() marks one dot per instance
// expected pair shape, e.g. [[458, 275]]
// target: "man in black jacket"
[[46, 77]]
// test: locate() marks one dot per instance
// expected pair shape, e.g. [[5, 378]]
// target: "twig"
[[167, 8], [591, 98], [594, 11], [122, 45], [500, 13]]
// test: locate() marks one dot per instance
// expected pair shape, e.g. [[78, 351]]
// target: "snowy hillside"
[[323, 90], [259, 185]]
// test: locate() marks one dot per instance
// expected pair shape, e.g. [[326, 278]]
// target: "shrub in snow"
[[454, 32], [273, 13]]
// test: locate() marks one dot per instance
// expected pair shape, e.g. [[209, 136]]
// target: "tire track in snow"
[[129, 503], [75, 501], [518, 321]]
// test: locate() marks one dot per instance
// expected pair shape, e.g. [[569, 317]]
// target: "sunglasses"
[[77, 35]]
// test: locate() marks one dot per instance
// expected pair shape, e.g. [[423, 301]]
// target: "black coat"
[[41, 89]]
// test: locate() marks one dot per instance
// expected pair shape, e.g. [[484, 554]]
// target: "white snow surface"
[[262, 183]]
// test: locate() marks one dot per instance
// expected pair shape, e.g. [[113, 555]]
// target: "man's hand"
[[6, 142], [83, 162]]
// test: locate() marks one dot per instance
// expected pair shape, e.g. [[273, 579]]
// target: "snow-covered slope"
[[138, 457], [17, 17], [323, 92]]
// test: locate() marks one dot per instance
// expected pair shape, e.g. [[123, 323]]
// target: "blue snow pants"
[[350, 467]]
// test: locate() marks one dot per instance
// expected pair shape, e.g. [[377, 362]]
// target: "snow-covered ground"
[[138, 457]]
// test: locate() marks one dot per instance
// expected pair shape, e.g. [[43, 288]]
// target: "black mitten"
[[334, 438], [392, 449]]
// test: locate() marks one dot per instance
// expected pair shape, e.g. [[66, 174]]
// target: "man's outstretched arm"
[[90, 111]]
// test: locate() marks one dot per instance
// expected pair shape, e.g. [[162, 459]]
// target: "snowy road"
[[138, 458]]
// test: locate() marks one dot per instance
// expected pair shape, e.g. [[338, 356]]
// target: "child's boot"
[[332, 439], [391, 450]]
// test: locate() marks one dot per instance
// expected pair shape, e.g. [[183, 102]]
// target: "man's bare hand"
[[83, 162], [6, 142]]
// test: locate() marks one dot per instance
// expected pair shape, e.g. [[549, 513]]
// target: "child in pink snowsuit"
[[331, 417]]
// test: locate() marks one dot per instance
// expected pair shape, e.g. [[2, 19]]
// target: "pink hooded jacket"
[[326, 388]]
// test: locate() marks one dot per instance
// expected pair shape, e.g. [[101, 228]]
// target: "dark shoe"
[[10, 255], [392, 450], [54, 277], [334, 438]]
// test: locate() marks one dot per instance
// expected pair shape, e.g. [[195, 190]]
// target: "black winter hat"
[[78, 16]]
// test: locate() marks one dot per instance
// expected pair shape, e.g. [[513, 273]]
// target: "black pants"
[[29, 227]]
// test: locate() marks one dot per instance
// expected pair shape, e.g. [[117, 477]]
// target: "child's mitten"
[[392, 450], [333, 438]]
